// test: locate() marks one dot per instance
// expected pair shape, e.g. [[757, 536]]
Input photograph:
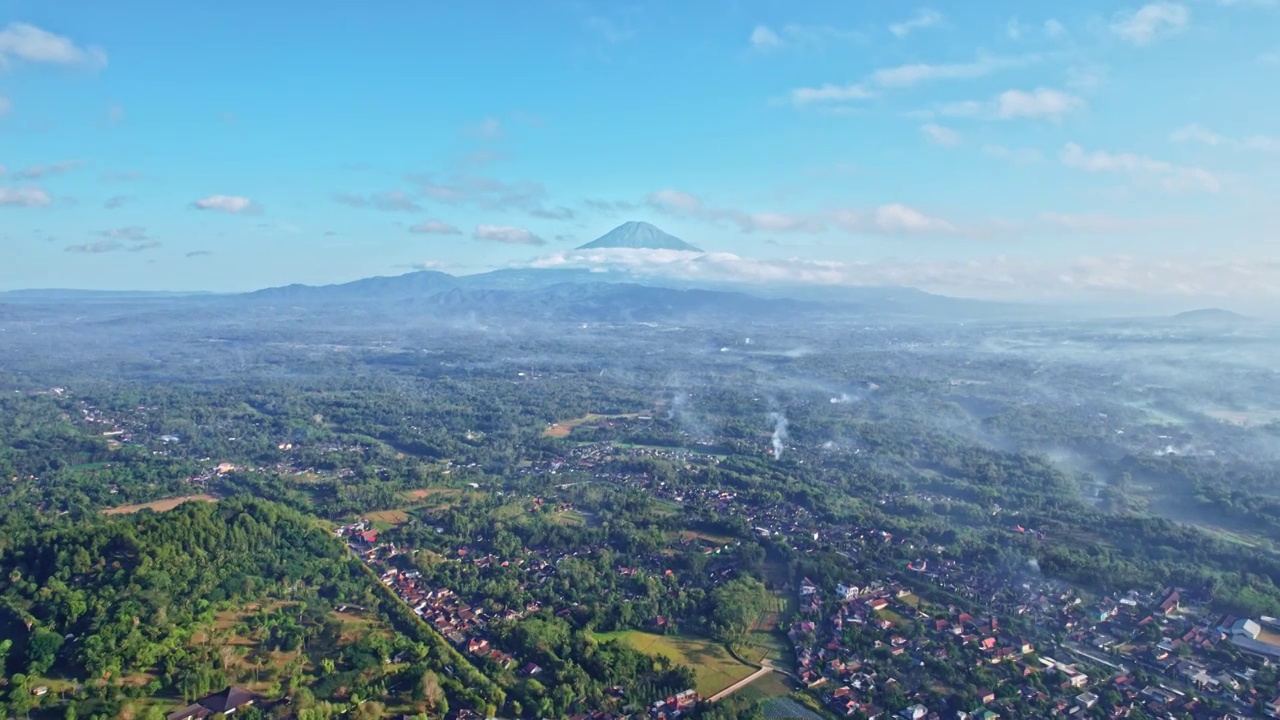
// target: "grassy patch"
[[766, 639], [892, 617], [564, 428], [572, 518], [714, 667], [706, 537], [386, 519], [768, 686], [158, 505]]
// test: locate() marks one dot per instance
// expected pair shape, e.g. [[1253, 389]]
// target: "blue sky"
[[984, 149]]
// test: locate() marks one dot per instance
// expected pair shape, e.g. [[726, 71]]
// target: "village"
[[929, 635]]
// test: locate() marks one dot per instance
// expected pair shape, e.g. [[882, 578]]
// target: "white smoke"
[[1187, 450], [844, 399], [779, 433]]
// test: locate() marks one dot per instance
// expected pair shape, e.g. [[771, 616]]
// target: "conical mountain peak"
[[639, 235]]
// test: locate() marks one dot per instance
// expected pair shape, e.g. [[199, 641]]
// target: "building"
[[1245, 628], [225, 703]]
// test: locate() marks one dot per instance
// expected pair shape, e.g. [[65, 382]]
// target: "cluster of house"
[[1143, 653], [850, 681], [675, 706], [1197, 655], [462, 624]]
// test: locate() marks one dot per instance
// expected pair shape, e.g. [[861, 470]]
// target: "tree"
[[432, 693]]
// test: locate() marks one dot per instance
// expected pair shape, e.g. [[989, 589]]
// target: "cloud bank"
[[997, 277]]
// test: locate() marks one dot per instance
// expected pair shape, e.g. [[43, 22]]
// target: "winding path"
[[765, 669]]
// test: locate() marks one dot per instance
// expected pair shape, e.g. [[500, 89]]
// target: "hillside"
[[639, 236], [1210, 316]]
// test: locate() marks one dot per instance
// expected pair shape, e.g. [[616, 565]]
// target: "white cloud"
[[1197, 134], [1038, 104], [1142, 169], [1103, 224], [395, 201], [1086, 78], [924, 18], [1018, 155], [488, 128], [683, 204], [903, 76], [486, 193], [1018, 30], [778, 222], [24, 197], [435, 227], [35, 172], [894, 219], [676, 201], [915, 73], [999, 277], [428, 265], [764, 38], [22, 42], [227, 204], [392, 201], [133, 232], [101, 246], [1050, 28], [939, 135], [507, 234], [1151, 22], [829, 93], [1270, 58], [900, 219]]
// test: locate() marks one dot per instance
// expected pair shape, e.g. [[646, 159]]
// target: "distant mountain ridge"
[[1210, 315], [637, 235]]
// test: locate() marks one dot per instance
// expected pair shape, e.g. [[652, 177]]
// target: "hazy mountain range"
[[584, 295]]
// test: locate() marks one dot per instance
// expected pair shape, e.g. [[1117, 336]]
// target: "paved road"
[[765, 670]]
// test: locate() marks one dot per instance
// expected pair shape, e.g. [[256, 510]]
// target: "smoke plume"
[[779, 433]]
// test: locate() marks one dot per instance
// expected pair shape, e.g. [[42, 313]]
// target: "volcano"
[[639, 235]]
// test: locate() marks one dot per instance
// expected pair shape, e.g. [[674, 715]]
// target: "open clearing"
[[439, 497], [784, 708], [564, 428], [385, 519], [707, 537], [771, 685], [1244, 418], [158, 505], [714, 667], [573, 518], [765, 640]]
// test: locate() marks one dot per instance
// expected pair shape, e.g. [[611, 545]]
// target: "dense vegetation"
[[943, 436]]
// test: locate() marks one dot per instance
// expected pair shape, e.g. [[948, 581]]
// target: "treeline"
[[106, 600]]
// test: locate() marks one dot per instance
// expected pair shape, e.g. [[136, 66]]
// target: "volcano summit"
[[639, 235]]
